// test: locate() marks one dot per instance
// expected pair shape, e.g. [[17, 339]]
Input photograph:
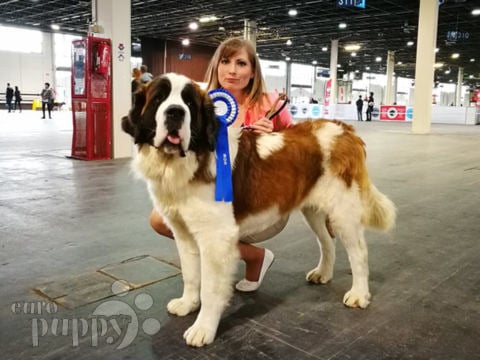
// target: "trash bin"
[[36, 104]]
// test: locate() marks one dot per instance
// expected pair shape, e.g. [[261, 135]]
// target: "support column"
[[458, 98], [113, 17], [424, 71], [289, 78], [250, 31], [395, 89], [333, 71], [389, 88]]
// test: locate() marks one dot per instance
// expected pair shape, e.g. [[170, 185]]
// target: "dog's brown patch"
[[347, 158], [283, 179]]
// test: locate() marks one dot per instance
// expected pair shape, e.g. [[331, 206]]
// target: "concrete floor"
[[61, 218]]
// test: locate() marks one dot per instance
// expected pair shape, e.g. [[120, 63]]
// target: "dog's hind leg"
[[190, 263], [351, 234], [324, 270]]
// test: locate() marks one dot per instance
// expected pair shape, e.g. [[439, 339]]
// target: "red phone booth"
[[91, 99]]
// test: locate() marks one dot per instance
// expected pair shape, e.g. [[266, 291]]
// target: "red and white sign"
[[393, 112], [326, 103], [341, 94]]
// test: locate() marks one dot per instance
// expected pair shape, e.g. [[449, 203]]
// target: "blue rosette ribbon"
[[226, 110]]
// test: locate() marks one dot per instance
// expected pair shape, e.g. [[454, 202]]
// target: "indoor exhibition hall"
[[239, 180]]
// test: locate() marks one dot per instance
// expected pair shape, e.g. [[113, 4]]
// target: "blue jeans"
[[9, 105]]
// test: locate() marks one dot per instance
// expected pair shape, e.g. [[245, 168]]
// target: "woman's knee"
[[266, 234], [156, 222]]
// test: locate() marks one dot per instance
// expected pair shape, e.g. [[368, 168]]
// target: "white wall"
[[28, 71]]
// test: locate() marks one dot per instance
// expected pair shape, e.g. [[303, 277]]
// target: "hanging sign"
[[352, 3]]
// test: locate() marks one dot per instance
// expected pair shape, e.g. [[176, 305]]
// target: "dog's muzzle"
[[174, 119]]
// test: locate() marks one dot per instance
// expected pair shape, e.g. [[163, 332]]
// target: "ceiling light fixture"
[[353, 54], [378, 59], [352, 47], [185, 42], [475, 12], [292, 12], [55, 27], [436, 50], [438, 65], [289, 42], [208, 18], [342, 25], [287, 59], [410, 43], [399, 63], [455, 55], [314, 62], [193, 26], [324, 48], [472, 60]]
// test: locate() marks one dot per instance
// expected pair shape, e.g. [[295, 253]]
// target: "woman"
[[136, 82], [371, 104], [236, 68], [18, 99]]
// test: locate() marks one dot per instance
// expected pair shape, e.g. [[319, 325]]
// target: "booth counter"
[[469, 115]]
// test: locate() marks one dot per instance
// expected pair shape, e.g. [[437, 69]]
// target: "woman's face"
[[235, 72]]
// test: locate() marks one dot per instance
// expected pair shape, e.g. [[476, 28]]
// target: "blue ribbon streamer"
[[223, 181]]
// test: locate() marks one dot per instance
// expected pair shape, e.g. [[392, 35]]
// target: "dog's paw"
[[199, 335], [356, 299], [317, 276], [182, 307]]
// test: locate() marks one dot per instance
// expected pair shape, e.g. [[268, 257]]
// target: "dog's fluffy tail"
[[380, 211]]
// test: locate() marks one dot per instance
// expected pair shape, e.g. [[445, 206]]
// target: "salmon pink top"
[[281, 121]]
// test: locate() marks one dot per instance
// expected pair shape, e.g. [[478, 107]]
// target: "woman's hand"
[[262, 125]]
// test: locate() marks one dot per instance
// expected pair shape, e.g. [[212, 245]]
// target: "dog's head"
[[173, 114]]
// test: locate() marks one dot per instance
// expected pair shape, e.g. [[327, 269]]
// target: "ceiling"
[[383, 25]]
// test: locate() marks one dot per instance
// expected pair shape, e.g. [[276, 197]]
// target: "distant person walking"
[[371, 104], [9, 97], [146, 76], [359, 104], [47, 100], [18, 99]]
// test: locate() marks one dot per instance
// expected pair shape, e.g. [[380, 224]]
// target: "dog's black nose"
[[174, 115], [175, 112]]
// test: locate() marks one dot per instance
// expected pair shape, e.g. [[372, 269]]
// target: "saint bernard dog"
[[317, 167]]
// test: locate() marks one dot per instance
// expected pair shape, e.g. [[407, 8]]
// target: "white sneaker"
[[248, 286]]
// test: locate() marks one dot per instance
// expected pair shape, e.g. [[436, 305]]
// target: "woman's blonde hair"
[[256, 87]]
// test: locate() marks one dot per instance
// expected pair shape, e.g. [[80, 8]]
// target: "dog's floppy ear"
[[210, 120], [131, 122]]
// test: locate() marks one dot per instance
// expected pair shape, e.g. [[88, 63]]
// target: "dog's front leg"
[[190, 263], [219, 256]]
